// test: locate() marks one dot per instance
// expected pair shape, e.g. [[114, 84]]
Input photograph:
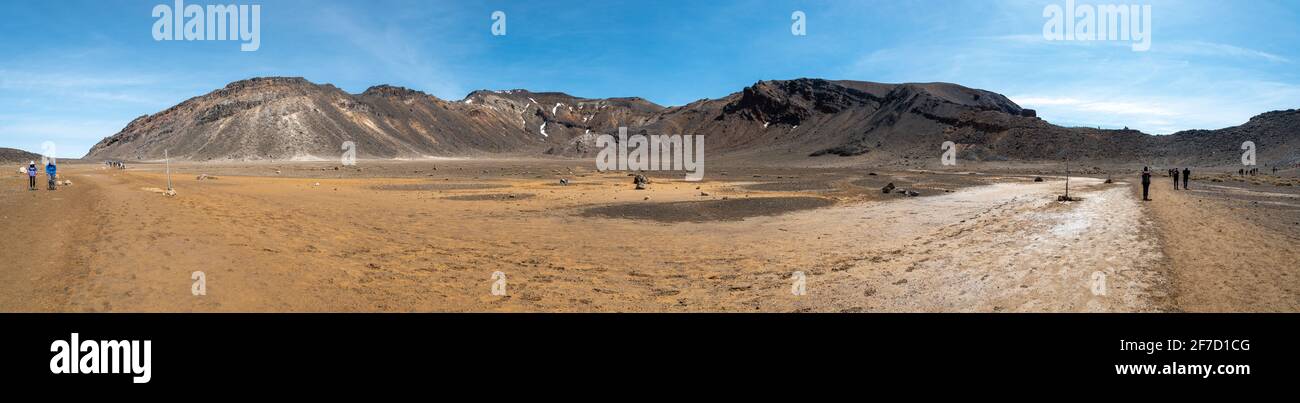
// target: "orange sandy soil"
[[406, 237], [1235, 247]]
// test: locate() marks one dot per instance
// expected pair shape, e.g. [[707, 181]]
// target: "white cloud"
[[70, 87], [72, 138], [1159, 113], [1099, 106], [73, 109], [396, 50], [26, 79], [1178, 85], [1210, 49]]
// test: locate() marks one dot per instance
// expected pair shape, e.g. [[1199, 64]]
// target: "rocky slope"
[[12, 155], [291, 118], [1276, 136]]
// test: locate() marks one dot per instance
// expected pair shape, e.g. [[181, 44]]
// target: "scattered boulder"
[[1038, 179], [912, 193], [65, 183], [704, 193], [888, 188], [640, 181], [564, 182], [204, 177], [170, 193]]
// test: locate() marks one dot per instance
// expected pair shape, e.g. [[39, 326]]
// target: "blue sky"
[[73, 72]]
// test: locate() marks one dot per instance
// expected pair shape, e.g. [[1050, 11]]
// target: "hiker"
[[1146, 183], [31, 175], [1187, 174], [51, 172], [1175, 175]]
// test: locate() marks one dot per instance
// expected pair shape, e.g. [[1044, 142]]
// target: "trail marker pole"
[[167, 162], [1067, 179]]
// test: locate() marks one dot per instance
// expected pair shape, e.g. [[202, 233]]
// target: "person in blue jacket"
[[51, 172], [31, 175]]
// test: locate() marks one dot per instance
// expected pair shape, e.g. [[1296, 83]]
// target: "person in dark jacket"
[[1174, 173], [1187, 174], [51, 172], [1146, 183]]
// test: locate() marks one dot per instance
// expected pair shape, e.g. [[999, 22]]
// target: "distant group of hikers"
[[1186, 175], [51, 173], [115, 164], [1252, 171]]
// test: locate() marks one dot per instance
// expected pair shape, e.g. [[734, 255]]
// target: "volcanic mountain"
[[291, 118]]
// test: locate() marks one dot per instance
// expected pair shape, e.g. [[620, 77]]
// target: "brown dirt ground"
[[1235, 247], [309, 237]]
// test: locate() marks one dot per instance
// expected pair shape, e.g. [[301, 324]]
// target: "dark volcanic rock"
[[292, 118]]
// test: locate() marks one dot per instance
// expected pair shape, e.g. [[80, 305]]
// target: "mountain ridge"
[[9, 155], [291, 118]]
